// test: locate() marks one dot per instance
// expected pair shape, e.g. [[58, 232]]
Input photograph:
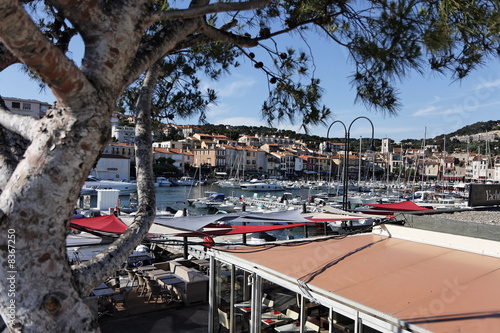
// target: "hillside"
[[313, 141], [233, 132], [492, 126]]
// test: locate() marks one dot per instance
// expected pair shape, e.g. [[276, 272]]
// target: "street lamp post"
[[347, 132]]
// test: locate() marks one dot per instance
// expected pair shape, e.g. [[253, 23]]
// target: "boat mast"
[[423, 155], [359, 165], [444, 160]]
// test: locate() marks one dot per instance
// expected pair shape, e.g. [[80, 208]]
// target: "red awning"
[[106, 223], [399, 206], [241, 229]]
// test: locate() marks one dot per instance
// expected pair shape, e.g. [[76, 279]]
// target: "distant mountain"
[[476, 128]]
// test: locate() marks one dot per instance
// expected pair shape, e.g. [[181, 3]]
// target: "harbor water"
[[176, 197]]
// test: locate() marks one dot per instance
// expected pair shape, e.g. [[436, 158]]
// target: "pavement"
[[186, 319]]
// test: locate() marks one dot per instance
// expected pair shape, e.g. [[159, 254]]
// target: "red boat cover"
[[240, 229], [106, 223], [399, 206]]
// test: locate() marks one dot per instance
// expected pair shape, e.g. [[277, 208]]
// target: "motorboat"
[[186, 181], [230, 183], [341, 221], [260, 186], [92, 184], [163, 182], [213, 200]]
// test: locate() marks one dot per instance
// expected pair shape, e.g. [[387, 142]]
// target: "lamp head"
[[371, 148]]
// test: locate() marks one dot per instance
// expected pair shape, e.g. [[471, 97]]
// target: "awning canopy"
[[195, 223], [106, 223], [391, 281], [241, 229], [399, 206]]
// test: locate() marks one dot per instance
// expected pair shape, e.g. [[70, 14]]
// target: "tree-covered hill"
[[452, 144], [313, 141]]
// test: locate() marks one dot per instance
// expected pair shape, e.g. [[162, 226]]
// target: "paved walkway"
[[192, 319]]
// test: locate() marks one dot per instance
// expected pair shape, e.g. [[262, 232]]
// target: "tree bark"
[[39, 291], [35, 207]]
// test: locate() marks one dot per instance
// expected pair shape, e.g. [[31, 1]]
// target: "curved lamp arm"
[[373, 130], [345, 130]]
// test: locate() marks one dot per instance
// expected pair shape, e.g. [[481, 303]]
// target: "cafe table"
[[101, 286], [274, 317], [157, 273], [103, 300], [292, 327], [169, 280], [147, 268], [103, 292], [203, 264], [246, 306]]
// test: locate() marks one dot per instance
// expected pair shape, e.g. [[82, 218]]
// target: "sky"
[[432, 104]]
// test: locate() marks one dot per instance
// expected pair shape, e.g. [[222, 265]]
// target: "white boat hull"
[[262, 187]]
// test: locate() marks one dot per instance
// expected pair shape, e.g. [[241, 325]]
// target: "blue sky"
[[431, 103]]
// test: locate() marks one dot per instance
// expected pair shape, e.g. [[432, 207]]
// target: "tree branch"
[[91, 273], [163, 42], [194, 12], [6, 57], [227, 37], [22, 125], [85, 15], [21, 36], [12, 149]]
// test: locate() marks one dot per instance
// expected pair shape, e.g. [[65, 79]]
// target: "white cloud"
[[236, 88], [487, 84], [426, 112], [468, 105], [231, 87], [220, 110], [241, 121]]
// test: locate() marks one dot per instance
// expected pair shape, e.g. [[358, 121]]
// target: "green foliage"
[[165, 167], [312, 141], [460, 35], [385, 39], [453, 144]]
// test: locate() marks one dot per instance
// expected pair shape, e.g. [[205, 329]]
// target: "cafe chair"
[[313, 324], [268, 303], [156, 292], [132, 277], [141, 284], [175, 295], [120, 299], [291, 313], [223, 320]]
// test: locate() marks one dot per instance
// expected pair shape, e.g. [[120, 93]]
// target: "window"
[[26, 106], [16, 105]]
